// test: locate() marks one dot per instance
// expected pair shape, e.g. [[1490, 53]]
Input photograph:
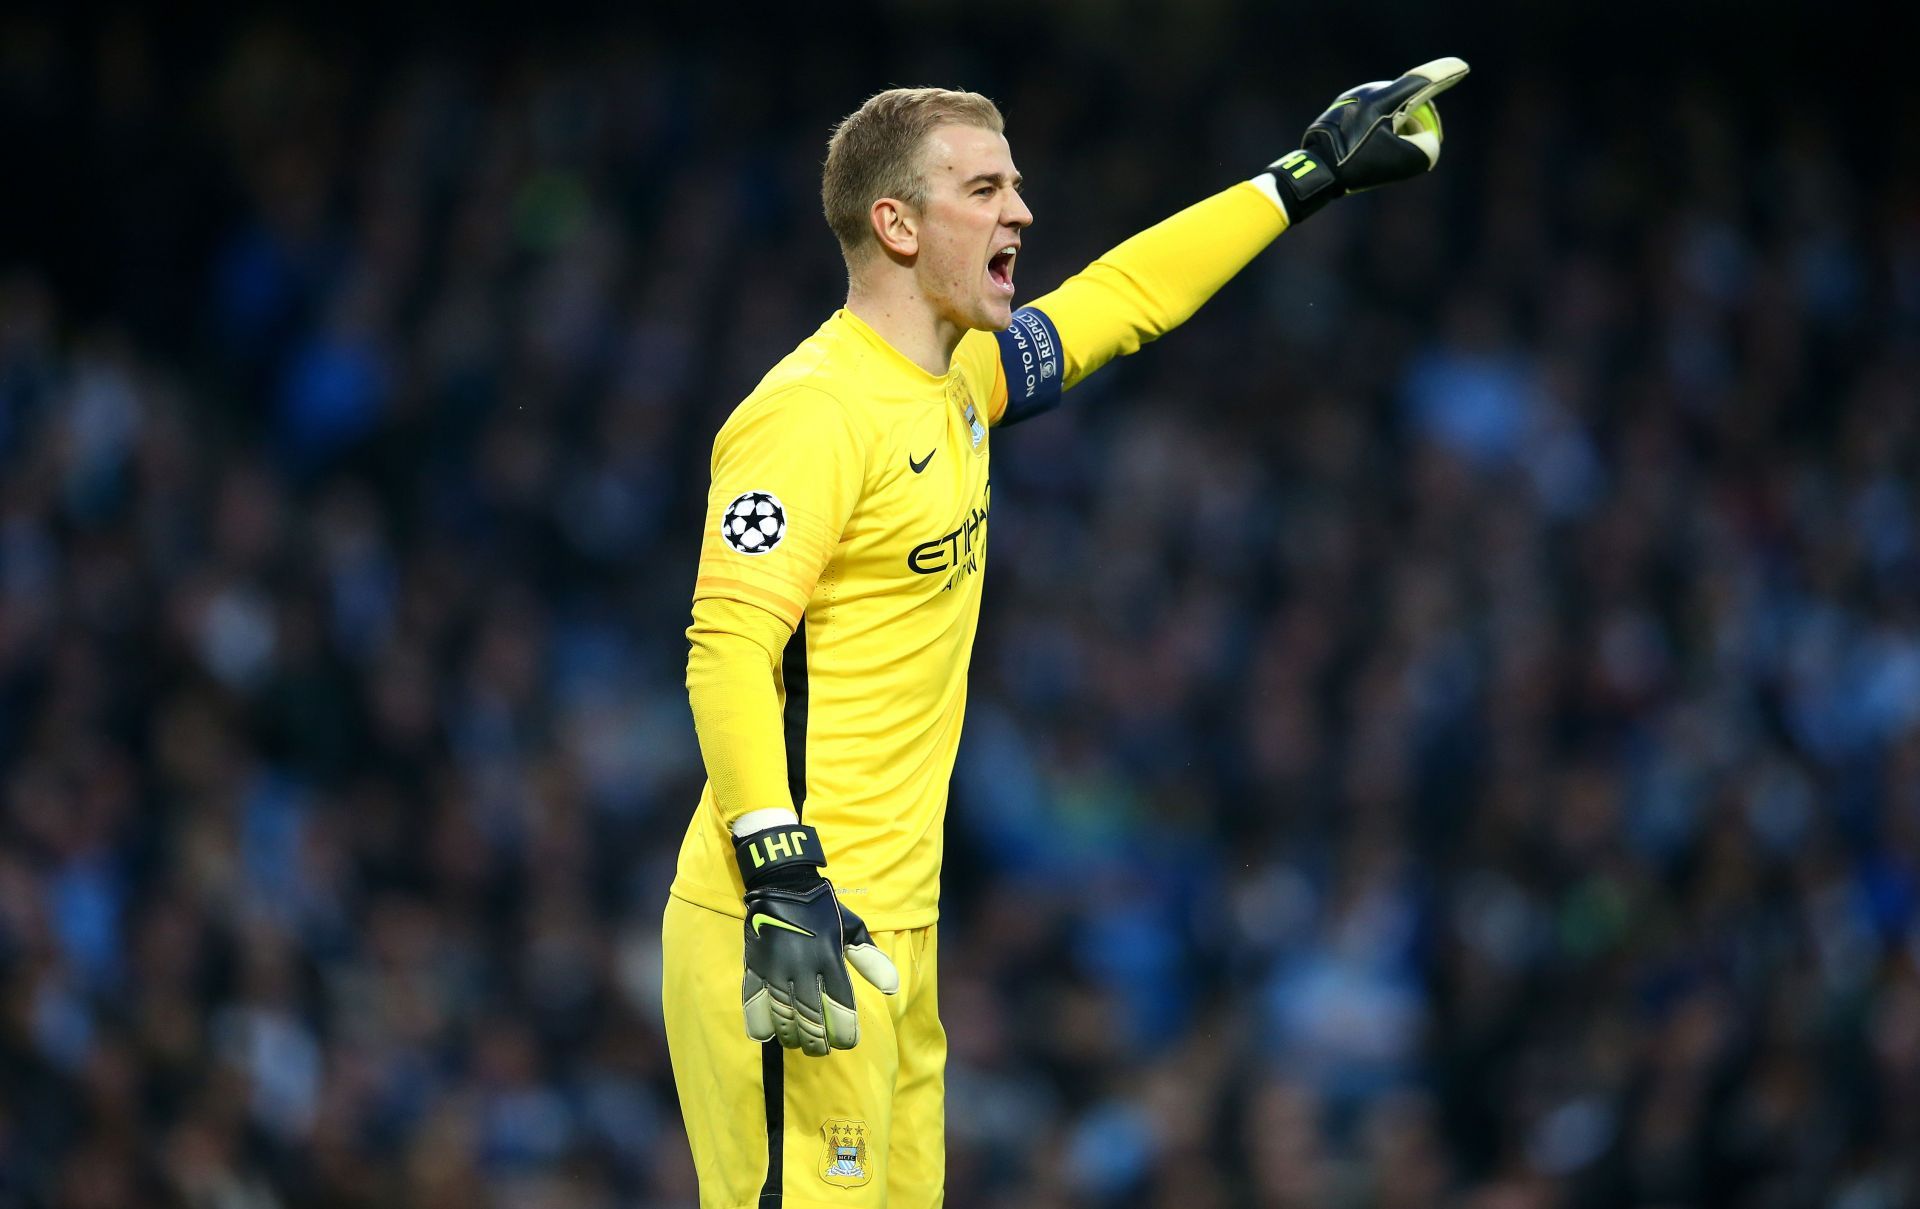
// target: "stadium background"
[[1446, 723]]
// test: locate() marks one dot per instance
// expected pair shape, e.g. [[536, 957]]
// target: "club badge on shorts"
[[844, 1163]]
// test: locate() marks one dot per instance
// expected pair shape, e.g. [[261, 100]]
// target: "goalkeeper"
[[849, 504]]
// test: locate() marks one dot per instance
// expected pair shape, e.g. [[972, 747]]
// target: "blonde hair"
[[875, 153]]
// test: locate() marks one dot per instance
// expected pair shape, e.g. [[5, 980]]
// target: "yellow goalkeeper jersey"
[[851, 491]]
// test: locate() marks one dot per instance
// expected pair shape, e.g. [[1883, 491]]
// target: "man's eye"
[[983, 191]]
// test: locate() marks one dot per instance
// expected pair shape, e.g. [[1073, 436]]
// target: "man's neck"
[[905, 320]]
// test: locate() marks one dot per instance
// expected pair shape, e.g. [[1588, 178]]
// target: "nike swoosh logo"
[[759, 919], [922, 463], [1348, 101]]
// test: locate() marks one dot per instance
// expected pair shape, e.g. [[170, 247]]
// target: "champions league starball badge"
[[754, 522]]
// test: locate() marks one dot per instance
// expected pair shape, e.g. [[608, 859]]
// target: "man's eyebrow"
[[992, 178]]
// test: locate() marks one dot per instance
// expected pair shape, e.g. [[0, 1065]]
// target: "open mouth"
[[1000, 268]]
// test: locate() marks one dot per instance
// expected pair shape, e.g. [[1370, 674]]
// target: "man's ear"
[[896, 226]]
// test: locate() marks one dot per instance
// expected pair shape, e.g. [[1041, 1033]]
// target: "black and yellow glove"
[[800, 941], [1370, 136]]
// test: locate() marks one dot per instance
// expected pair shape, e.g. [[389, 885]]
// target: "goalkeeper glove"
[[1370, 136], [796, 989]]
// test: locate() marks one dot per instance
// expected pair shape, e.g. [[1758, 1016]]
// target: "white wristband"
[[1265, 183], [760, 820]]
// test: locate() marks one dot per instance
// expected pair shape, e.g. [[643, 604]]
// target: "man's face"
[[970, 226]]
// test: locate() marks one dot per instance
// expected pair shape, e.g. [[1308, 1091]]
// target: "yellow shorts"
[[772, 1128]]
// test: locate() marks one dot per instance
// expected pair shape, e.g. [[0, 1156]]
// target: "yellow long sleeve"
[[734, 687], [1155, 281]]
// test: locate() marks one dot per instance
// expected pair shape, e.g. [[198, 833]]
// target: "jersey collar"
[[905, 364]]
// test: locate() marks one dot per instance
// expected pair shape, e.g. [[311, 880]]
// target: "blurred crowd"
[[1446, 723]]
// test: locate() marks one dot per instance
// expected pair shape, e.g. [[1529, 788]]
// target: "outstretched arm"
[[1372, 135], [1155, 281]]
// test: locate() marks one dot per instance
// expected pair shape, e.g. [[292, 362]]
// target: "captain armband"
[[1035, 368]]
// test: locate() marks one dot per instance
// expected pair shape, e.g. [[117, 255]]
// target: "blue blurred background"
[[1446, 723]]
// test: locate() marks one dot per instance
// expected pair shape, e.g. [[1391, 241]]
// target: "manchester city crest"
[[958, 394], [845, 1163]]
